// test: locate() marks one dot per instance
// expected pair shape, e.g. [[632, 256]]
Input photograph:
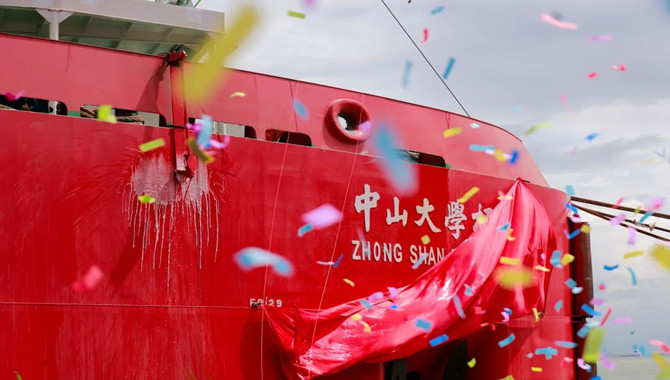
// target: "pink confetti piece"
[[592, 75], [582, 364], [425, 36], [606, 317], [14, 97], [220, 145], [607, 362], [618, 203], [505, 316], [89, 281], [618, 219], [621, 67], [618, 321], [557, 23], [632, 236], [656, 204], [599, 38], [597, 301], [660, 344], [322, 216], [393, 292], [376, 296]]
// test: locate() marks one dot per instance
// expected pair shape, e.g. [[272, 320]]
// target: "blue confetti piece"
[[573, 234], [300, 109], [570, 190], [576, 290], [556, 261], [422, 258], [591, 310], [394, 307], [572, 208], [645, 351], [367, 304], [515, 157], [339, 260], [422, 324], [564, 344], [645, 216], [507, 310], [468, 290], [592, 136], [459, 307], [610, 267], [529, 355], [584, 331], [474, 125], [632, 275], [548, 352], [481, 148], [596, 378], [252, 258], [439, 340], [304, 229], [448, 69], [505, 342], [397, 170], [437, 10], [206, 129], [504, 228], [571, 283], [558, 305], [405, 78]]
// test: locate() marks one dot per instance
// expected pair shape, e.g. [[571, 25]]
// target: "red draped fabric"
[[326, 342]]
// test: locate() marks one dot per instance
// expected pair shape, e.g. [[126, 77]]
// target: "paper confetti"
[[439, 340], [620, 67], [633, 254], [238, 94], [468, 290], [660, 344], [558, 306], [474, 126], [405, 77], [509, 260], [661, 255], [607, 362], [251, 258], [468, 195], [323, 216], [300, 109], [366, 327], [18, 376], [366, 304], [422, 324], [632, 276], [304, 229], [536, 314], [106, 113], [618, 219], [547, 18], [451, 132], [14, 97], [511, 278], [425, 239], [459, 307], [481, 148], [610, 267], [400, 173], [89, 281], [422, 258], [201, 154], [567, 259], [536, 369], [506, 341], [296, 14], [151, 145], [592, 136], [144, 198], [472, 362], [592, 345], [425, 36], [570, 190], [660, 361], [450, 65], [503, 228], [541, 268], [585, 229], [565, 344], [599, 38], [592, 75], [588, 309], [437, 10], [618, 321], [393, 292], [536, 127], [556, 259], [348, 281], [200, 80]]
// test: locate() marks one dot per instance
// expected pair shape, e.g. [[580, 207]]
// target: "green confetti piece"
[[592, 345], [106, 113], [296, 14], [146, 198], [18, 376], [151, 145]]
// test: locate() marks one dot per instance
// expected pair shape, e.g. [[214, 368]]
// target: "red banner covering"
[[326, 342]]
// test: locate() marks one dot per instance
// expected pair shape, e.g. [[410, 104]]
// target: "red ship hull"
[[173, 304]]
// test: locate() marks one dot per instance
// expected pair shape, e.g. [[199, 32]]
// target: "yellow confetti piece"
[[541, 268], [151, 145], [468, 195], [201, 154], [508, 377], [356, 317], [537, 126], [499, 155], [296, 14], [658, 358], [537, 316], [146, 198], [662, 256], [586, 229], [567, 259], [633, 254], [509, 235], [451, 132], [509, 260], [106, 113], [238, 94], [592, 345], [472, 362], [201, 79], [536, 369], [512, 278], [425, 239], [481, 219], [366, 327], [348, 281]]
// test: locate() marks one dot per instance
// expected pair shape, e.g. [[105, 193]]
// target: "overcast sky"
[[511, 70]]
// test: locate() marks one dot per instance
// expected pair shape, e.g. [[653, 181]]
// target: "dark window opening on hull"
[[229, 129], [124, 116], [295, 138], [423, 158], [33, 105]]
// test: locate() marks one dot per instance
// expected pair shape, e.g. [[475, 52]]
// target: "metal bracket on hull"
[[184, 162]]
